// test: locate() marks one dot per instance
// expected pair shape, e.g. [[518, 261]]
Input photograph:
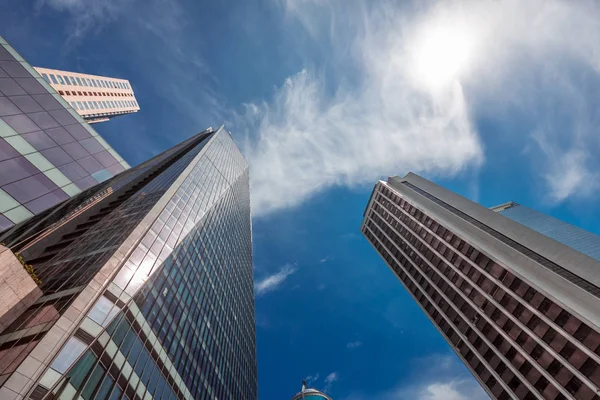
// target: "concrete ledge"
[[17, 289]]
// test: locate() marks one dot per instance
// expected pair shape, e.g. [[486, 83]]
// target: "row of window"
[[89, 82], [102, 105], [575, 356], [100, 94]]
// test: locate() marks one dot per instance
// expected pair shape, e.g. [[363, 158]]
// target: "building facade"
[[143, 285], [48, 154], [310, 394], [520, 309], [95, 98]]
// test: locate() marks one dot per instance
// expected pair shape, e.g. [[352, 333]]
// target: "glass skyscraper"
[[142, 286], [48, 154], [517, 303]]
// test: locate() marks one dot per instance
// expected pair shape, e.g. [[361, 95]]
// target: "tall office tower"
[[310, 394], [47, 152], [95, 98], [521, 309], [139, 288]]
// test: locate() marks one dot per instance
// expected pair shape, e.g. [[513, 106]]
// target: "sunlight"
[[442, 54]]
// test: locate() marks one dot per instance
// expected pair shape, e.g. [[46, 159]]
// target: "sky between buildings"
[[497, 100]]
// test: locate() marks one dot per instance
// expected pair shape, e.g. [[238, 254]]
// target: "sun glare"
[[442, 55]]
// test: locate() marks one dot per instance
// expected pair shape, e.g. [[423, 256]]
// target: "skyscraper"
[[140, 287], [47, 152], [521, 309], [95, 98], [310, 394]]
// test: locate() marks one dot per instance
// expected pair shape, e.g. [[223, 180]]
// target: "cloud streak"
[[330, 380], [382, 123], [376, 117], [354, 345], [273, 282]]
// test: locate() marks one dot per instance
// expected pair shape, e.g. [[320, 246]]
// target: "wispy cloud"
[[379, 124], [325, 259], [311, 380], [354, 345], [376, 116], [330, 380], [273, 282]]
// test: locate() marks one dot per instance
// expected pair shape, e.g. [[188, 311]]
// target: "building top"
[[48, 153], [96, 98], [310, 394]]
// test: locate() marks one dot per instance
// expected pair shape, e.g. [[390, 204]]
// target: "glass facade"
[[567, 234], [517, 340], [174, 316], [48, 154]]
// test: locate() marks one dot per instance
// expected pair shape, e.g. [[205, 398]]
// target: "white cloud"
[[273, 282], [451, 390], [569, 174], [330, 380], [311, 380], [378, 115], [354, 345], [383, 123]]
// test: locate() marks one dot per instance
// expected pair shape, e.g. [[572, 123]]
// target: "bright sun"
[[442, 55]]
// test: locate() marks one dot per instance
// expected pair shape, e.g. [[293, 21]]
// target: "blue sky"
[[497, 100]]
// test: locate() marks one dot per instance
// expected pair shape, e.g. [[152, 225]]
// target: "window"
[[79, 82], [53, 79], [73, 81], [80, 105], [96, 106], [60, 79], [94, 83], [67, 81], [67, 356], [89, 82], [74, 105], [85, 104], [45, 77], [84, 82]]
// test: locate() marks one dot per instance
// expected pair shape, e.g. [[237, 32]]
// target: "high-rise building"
[[521, 309], [96, 98], [139, 288], [47, 152], [310, 394]]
